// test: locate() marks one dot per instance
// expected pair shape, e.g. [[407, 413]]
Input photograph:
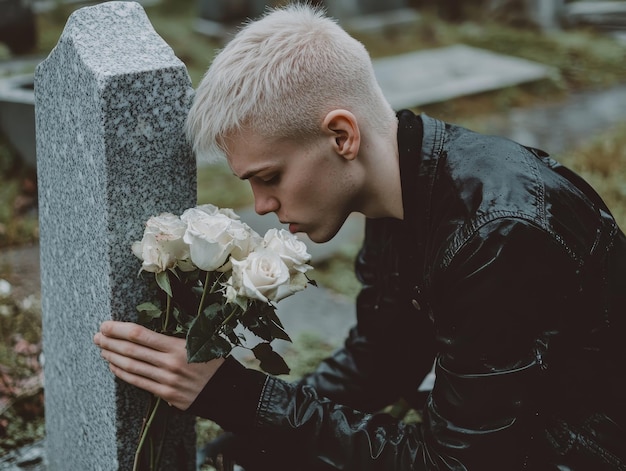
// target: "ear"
[[342, 129]]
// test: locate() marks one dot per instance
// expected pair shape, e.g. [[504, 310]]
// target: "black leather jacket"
[[509, 274]]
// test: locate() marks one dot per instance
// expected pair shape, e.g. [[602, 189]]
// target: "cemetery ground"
[[583, 60]]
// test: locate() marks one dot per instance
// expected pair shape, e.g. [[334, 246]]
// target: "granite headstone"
[[110, 101]]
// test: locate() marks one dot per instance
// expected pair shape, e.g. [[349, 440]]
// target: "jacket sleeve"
[[366, 374], [503, 300], [499, 303]]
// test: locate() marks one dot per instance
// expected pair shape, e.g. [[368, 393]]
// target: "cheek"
[[311, 185], [300, 190]]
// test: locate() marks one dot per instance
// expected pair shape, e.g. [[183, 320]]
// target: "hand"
[[154, 362]]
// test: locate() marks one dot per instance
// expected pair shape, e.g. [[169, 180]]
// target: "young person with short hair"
[[481, 256]]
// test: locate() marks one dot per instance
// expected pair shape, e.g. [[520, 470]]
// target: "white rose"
[[260, 276], [297, 282], [229, 212], [162, 246], [214, 237], [292, 250], [231, 292], [211, 210]]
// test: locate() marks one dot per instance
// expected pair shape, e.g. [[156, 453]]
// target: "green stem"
[[230, 316], [144, 434], [216, 282], [152, 453], [204, 291], [168, 308]]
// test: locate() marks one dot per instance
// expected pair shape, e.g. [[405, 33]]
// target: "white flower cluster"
[[209, 238]]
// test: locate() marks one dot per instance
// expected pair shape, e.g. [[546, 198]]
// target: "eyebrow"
[[252, 172]]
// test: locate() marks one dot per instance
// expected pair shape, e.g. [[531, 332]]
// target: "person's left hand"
[[154, 362]]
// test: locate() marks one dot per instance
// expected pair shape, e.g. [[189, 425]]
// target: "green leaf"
[[164, 282], [258, 326], [271, 362], [241, 302], [231, 335], [150, 310], [212, 311], [202, 349], [269, 311], [148, 313], [203, 341], [266, 325], [277, 332], [197, 290]]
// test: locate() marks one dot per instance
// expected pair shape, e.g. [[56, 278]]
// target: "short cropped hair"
[[279, 77]]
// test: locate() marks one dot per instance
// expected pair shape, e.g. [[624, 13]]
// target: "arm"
[[497, 307]]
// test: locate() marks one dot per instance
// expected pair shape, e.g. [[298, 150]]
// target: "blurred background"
[[548, 73]]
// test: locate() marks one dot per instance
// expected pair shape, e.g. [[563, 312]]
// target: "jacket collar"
[[410, 136], [420, 144]]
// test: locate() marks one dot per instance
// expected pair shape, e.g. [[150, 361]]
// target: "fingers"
[[154, 362], [136, 334], [133, 366], [142, 382], [112, 348], [179, 385], [159, 373]]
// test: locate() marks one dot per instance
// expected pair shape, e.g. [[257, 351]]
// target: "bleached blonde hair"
[[279, 77]]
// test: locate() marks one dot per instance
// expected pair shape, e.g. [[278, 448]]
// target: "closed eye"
[[270, 179]]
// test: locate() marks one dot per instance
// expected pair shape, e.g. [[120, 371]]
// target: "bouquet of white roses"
[[218, 283]]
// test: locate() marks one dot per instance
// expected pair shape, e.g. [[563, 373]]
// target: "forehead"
[[247, 151]]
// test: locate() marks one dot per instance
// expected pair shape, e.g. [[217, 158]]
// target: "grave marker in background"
[[110, 102]]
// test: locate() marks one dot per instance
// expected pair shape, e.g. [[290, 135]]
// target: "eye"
[[271, 179]]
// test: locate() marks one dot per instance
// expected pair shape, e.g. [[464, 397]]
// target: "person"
[[482, 257]]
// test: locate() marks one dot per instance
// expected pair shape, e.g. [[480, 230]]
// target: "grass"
[[602, 162], [582, 60]]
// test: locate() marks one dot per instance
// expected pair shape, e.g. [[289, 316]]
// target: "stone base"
[[436, 75]]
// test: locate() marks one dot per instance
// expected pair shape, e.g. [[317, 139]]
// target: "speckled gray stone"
[[110, 101]]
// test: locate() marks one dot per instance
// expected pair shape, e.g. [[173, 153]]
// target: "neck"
[[382, 190]]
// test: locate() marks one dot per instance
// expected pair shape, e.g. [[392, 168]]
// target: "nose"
[[264, 202]]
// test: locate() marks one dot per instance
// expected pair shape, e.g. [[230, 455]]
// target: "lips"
[[292, 226]]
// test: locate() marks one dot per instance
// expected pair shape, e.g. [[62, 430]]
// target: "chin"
[[320, 237]]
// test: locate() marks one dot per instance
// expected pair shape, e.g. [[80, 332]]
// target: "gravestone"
[[546, 14], [110, 101], [371, 15], [343, 9], [17, 115], [435, 75], [231, 11], [221, 18]]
